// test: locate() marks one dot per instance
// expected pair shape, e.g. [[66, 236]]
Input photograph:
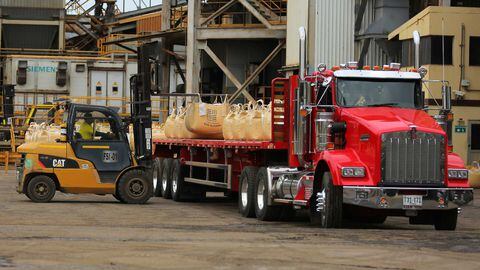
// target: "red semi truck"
[[346, 143]]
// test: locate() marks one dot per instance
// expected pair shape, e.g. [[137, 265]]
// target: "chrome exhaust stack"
[[302, 99]]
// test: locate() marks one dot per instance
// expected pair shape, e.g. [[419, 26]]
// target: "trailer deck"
[[223, 144]]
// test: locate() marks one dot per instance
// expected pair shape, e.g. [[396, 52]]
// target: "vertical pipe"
[[303, 52], [416, 40]]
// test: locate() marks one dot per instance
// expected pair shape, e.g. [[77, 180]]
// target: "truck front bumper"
[[407, 198]]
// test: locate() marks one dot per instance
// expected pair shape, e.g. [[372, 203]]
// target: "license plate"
[[412, 201]]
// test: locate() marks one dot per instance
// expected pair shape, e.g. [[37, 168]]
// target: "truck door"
[[96, 135], [473, 141]]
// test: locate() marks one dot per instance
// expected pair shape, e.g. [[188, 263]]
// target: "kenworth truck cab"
[[375, 149]]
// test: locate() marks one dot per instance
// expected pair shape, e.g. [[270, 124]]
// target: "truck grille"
[[415, 159]]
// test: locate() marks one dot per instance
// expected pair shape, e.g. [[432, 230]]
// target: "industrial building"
[[87, 50]]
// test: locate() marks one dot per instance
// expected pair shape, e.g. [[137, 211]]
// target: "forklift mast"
[[142, 86]]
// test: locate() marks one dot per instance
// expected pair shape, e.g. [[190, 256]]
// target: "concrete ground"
[[92, 232]]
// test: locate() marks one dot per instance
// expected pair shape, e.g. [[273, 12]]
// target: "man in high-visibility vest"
[[86, 128]]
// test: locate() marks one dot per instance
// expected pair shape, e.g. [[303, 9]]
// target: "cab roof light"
[[352, 65], [335, 68], [395, 66]]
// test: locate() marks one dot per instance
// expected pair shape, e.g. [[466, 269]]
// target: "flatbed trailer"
[[232, 156]]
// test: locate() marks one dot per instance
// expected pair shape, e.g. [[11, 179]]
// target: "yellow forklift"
[[93, 155]]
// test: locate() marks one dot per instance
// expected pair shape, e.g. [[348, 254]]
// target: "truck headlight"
[[457, 174], [353, 172]]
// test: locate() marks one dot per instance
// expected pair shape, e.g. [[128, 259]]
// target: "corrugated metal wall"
[[335, 31], [56, 4]]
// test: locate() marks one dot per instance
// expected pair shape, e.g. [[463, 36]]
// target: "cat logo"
[[58, 163]]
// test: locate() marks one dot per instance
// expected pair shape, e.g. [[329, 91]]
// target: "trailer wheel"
[[246, 191], [326, 203], [157, 177], [178, 183], [446, 220], [134, 187], [41, 189], [263, 211], [165, 187]]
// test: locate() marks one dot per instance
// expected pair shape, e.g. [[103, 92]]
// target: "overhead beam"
[[225, 70], [179, 70], [239, 33], [219, 12], [360, 14], [255, 13], [257, 71], [88, 31]]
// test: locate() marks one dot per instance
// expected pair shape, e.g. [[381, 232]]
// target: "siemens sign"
[[42, 69]]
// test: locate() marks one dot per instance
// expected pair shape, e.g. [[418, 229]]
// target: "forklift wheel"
[[117, 198], [41, 189], [134, 187]]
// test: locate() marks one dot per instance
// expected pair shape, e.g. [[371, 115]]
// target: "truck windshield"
[[377, 93]]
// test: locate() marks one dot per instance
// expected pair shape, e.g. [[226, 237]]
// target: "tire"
[[41, 189], [178, 183], [331, 216], [134, 187], [117, 198], [446, 220], [263, 211], [246, 186], [165, 187], [157, 176]]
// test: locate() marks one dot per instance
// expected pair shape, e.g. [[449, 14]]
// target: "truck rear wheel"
[[246, 191], [165, 187], [446, 220], [326, 203], [157, 177], [178, 183], [134, 187], [263, 211], [41, 189]]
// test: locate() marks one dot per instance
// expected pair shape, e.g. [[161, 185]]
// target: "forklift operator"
[[86, 128]]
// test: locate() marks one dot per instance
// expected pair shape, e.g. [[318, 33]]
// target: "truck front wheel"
[[246, 191], [263, 211], [445, 220], [326, 203], [41, 189], [134, 187]]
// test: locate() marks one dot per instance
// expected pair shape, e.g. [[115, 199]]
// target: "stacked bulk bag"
[[229, 122], [170, 125], [42, 133], [54, 133], [240, 123], [206, 120], [182, 131], [158, 131], [249, 122]]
